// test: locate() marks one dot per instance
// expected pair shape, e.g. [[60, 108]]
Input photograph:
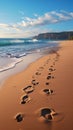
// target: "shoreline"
[[17, 68], [23, 64], [52, 71]]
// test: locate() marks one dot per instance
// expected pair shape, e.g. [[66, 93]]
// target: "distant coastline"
[[67, 35]]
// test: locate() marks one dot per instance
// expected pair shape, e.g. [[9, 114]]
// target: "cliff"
[[55, 35]]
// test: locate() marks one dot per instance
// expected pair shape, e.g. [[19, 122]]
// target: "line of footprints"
[[48, 114]]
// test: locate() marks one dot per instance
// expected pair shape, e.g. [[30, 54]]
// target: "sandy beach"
[[41, 96]]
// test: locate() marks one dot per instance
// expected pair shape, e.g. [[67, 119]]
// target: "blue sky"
[[26, 18]]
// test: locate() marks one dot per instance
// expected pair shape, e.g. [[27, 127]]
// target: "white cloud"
[[32, 26], [47, 18], [61, 16], [71, 14], [2, 25]]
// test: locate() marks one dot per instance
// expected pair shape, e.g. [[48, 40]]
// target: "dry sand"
[[49, 85]]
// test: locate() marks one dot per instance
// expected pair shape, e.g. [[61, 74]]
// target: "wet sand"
[[41, 96]]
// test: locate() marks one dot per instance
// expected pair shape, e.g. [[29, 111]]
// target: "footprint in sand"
[[25, 99], [49, 114], [49, 73], [51, 66], [47, 83], [49, 77], [41, 68], [48, 91], [19, 117], [38, 73], [34, 82], [51, 69], [28, 89]]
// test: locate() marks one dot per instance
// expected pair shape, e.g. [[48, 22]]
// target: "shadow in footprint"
[[48, 91], [47, 83], [34, 82], [49, 73], [25, 99], [51, 66], [50, 69], [38, 73], [19, 117], [49, 77]]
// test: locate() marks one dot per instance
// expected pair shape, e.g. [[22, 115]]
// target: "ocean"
[[17, 52]]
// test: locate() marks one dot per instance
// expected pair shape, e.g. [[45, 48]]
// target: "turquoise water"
[[12, 51], [20, 47]]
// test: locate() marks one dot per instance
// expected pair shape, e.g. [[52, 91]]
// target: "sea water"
[[22, 51]]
